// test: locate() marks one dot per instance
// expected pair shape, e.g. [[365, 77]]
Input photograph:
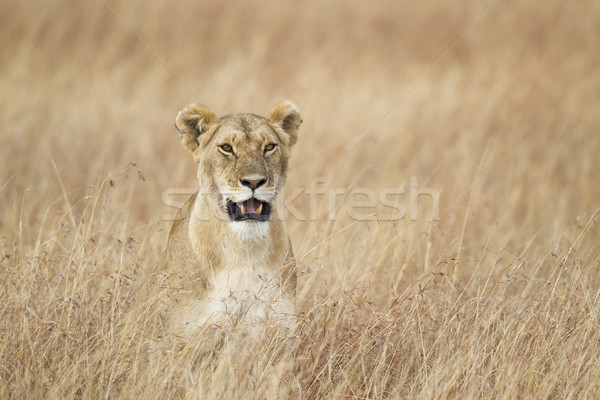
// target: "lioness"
[[228, 247]]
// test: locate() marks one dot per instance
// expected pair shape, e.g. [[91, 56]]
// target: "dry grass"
[[499, 298]]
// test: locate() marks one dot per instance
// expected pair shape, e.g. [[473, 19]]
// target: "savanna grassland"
[[492, 291]]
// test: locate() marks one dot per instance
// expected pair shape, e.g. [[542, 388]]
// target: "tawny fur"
[[215, 266]]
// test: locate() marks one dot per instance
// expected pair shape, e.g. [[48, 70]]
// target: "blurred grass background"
[[505, 126]]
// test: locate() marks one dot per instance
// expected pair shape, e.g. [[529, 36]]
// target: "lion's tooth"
[[259, 209], [243, 209]]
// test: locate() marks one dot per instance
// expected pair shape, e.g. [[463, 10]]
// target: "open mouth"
[[251, 209]]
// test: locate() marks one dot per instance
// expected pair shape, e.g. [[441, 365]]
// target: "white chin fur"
[[250, 230]]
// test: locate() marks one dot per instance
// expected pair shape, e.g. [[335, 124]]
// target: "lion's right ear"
[[193, 122]]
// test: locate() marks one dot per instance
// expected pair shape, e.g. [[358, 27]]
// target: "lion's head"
[[242, 158]]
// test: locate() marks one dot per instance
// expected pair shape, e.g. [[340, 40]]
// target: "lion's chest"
[[231, 291], [250, 292]]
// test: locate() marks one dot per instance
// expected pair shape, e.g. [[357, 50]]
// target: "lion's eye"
[[270, 147], [226, 148]]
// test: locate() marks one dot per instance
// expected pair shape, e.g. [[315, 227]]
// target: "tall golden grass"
[[495, 106]]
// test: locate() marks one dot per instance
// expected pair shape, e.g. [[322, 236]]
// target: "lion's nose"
[[253, 183]]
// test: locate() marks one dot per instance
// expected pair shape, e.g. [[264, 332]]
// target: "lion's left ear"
[[286, 117]]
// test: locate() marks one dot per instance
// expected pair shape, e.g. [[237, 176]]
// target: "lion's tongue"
[[250, 206]]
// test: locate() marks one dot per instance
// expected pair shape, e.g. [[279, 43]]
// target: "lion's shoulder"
[[178, 246]]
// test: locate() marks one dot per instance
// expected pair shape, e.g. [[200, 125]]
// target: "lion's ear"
[[192, 122], [286, 117]]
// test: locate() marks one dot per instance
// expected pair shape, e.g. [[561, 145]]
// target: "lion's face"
[[242, 159], [248, 163]]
